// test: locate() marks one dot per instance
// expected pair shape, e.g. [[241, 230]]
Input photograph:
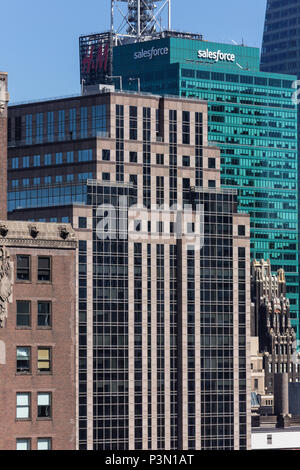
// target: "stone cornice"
[[36, 243]]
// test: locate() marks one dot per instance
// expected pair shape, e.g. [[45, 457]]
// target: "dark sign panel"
[[95, 58]]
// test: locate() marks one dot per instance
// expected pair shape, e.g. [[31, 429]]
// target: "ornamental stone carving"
[[3, 230], [33, 230], [63, 232], [6, 283]]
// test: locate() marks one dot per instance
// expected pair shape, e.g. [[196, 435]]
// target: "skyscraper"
[[164, 324], [251, 117], [281, 44]]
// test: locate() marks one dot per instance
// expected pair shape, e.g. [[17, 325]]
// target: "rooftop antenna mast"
[[139, 20]]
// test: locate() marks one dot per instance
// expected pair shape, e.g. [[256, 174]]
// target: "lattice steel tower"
[[140, 19]]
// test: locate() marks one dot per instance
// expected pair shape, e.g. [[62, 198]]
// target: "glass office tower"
[[251, 117], [281, 42]]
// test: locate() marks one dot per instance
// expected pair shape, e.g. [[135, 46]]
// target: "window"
[[44, 314], [44, 359], [44, 443], [44, 268], [82, 222], [23, 444], [211, 163], [44, 405], [105, 155], [23, 359], [85, 155], [241, 230], [186, 183], [133, 157], [15, 163], [83, 122], [25, 162], [211, 183], [61, 125], [23, 268], [70, 157], [72, 123], [106, 176], [23, 406], [36, 160], [50, 126], [256, 384], [59, 158], [47, 159], [28, 122], [133, 123], [39, 128], [186, 160], [186, 127], [133, 179], [159, 159], [23, 313]]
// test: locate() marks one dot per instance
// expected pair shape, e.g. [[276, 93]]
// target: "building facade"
[[281, 43], [271, 323], [37, 336], [251, 117], [4, 98], [164, 324]]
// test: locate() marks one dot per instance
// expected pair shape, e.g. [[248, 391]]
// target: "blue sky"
[[39, 39]]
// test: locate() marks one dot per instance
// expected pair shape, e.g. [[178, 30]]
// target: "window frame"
[[24, 372], [18, 406], [44, 372], [44, 327], [42, 418], [23, 439], [29, 269], [43, 281], [24, 327]]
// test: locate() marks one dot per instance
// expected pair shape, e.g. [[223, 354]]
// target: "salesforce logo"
[[150, 53], [216, 56]]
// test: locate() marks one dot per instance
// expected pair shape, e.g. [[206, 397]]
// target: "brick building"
[[37, 336], [4, 98], [37, 326]]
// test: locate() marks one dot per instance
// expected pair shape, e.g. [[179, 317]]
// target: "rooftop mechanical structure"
[[131, 21], [140, 19]]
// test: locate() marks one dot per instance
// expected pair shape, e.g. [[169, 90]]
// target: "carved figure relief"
[[6, 284]]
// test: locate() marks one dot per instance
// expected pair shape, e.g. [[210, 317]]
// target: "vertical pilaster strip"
[[197, 348], [184, 342], [90, 347], [248, 345], [131, 404], [236, 411], [145, 346], [154, 347], [167, 350]]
